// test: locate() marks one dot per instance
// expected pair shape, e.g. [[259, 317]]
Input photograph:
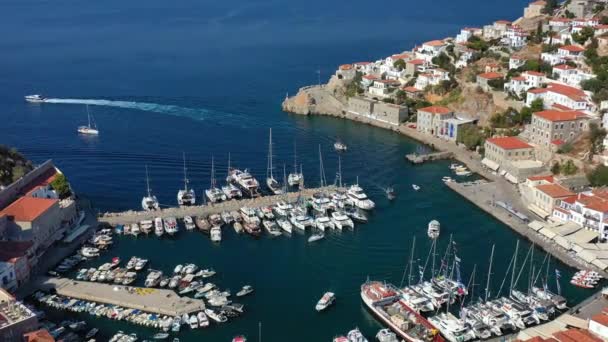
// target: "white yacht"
[[341, 220], [249, 215], [230, 190], [216, 234], [189, 223], [325, 301], [35, 98], [355, 335], [359, 199], [159, 230], [284, 224], [386, 335], [88, 129], [203, 321], [323, 222], [321, 203], [149, 202], [273, 185], [300, 220], [146, 226], [246, 182], [453, 329], [340, 146], [171, 226], [433, 229], [214, 194], [186, 196], [295, 178], [271, 227], [282, 209]]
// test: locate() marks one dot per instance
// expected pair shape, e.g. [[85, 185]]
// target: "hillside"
[[13, 165]]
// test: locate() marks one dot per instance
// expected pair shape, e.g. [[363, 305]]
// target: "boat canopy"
[[584, 236], [511, 178], [492, 165], [548, 233]]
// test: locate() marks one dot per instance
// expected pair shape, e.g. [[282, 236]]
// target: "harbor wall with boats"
[[128, 217]]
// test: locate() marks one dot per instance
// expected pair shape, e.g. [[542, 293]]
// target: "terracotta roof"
[[518, 78], [412, 90], [576, 335], [554, 115], [601, 319], [434, 43], [401, 56], [554, 190], [27, 209], [537, 90], [491, 75], [561, 107], [41, 335], [14, 249], [362, 63], [558, 142], [570, 199], [435, 110], [416, 61], [502, 22], [346, 67], [548, 178], [370, 77], [572, 48], [573, 93], [539, 3], [509, 143], [594, 203], [534, 73]]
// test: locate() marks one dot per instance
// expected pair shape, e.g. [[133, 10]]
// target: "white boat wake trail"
[[193, 113]]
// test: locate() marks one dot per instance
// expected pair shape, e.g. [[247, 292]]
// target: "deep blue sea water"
[[207, 78]]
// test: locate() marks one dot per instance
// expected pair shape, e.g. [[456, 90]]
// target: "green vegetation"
[[599, 65], [354, 87], [550, 6], [478, 44], [61, 186], [567, 169], [585, 34], [471, 136], [550, 47], [445, 86], [497, 83], [388, 100], [444, 62], [555, 168], [399, 64], [13, 165], [596, 139], [507, 119], [454, 96], [599, 176], [598, 8], [565, 148]]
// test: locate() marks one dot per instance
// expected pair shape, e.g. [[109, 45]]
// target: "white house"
[[368, 80], [559, 94], [558, 37], [431, 77], [431, 49], [590, 210], [380, 88], [598, 325], [570, 75], [558, 24], [514, 37], [516, 62], [496, 30], [466, 33], [364, 67], [521, 84], [573, 52], [583, 22]]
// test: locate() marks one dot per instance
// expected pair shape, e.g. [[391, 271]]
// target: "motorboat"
[[217, 317], [417, 301], [355, 335], [341, 220], [35, 98], [239, 338], [433, 229], [271, 227], [159, 228], [282, 209], [358, 198], [238, 227], [386, 335], [267, 213], [216, 234], [149, 202], [153, 278], [323, 222], [325, 301], [284, 224], [415, 187], [339, 199], [340, 146], [146, 226], [216, 220], [193, 322], [88, 129], [231, 191], [356, 214], [227, 217], [214, 194], [203, 321], [189, 223], [462, 171], [543, 293], [190, 269], [203, 224], [135, 229], [247, 289], [452, 328], [171, 227], [174, 282], [140, 264], [246, 182], [321, 203], [390, 192], [89, 252], [316, 237]]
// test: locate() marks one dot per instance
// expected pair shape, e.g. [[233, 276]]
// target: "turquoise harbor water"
[[207, 79]]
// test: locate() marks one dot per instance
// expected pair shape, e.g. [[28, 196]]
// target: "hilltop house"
[[484, 79], [519, 85], [568, 98], [551, 125], [431, 49], [534, 9], [431, 77], [516, 62], [570, 75], [466, 34]]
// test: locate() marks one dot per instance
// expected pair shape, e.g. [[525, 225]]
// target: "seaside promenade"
[[209, 209]]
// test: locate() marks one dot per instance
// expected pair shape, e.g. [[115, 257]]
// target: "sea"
[[164, 78]]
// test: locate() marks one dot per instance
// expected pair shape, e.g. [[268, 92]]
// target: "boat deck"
[[209, 209], [159, 301]]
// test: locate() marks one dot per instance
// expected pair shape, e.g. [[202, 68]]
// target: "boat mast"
[[531, 270], [148, 182], [409, 277], [88, 116], [212, 172], [301, 185], [514, 267], [260, 332], [185, 174], [339, 174], [546, 285], [321, 170], [295, 158], [426, 263], [434, 247], [269, 170], [470, 286], [284, 179], [489, 274]]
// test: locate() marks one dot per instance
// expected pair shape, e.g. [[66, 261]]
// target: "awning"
[[548, 233], [562, 241], [587, 256], [536, 225], [490, 164], [584, 236], [511, 178], [600, 263], [502, 173], [538, 211]]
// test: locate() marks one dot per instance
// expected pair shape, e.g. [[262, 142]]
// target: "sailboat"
[[88, 129], [149, 202], [230, 190], [214, 194], [186, 196], [272, 183], [295, 177]]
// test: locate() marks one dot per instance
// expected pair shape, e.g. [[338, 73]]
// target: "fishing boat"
[[88, 129], [385, 303], [273, 185], [325, 301], [34, 98], [216, 234], [171, 227], [247, 289], [159, 229], [186, 196], [415, 187], [358, 198], [203, 224], [433, 229], [340, 146], [214, 194], [189, 223], [316, 237], [149, 202]]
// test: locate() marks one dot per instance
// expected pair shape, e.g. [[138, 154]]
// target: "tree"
[[596, 139], [443, 61], [599, 176], [61, 186], [550, 6], [555, 168], [478, 44], [471, 137], [537, 106], [568, 168], [497, 83], [569, 15], [399, 64], [400, 96], [584, 35]]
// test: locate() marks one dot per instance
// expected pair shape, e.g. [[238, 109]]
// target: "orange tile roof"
[[41, 335], [557, 142], [346, 67], [491, 75], [401, 56], [572, 48], [370, 77], [435, 110], [601, 319], [416, 61], [594, 203], [576, 335], [502, 22], [554, 190], [564, 67], [412, 90], [537, 90], [539, 3], [534, 73], [434, 43], [28, 209], [561, 107], [556, 116], [509, 143], [518, 78], [548, 178]]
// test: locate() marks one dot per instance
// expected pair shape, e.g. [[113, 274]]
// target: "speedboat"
[[415, 187], [272, 227], [390, 192], [189, 223], [325, 301], [282, 209], [341, 220], [355, 336], [284, 224], [216, 234], [203, 321], [140, 264], [340, 146], [433, 229], [159, 229], [171, 225], [231, 191], [320, 202], [217, 317], [146, 226], [386, 335], [34, 98], [316, 237], [193, 321], [356, 214], [227, 217], [358, 198], [247, 289]]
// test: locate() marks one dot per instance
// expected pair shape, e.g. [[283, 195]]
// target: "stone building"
[[550, 126], [429, 119], [534, 9], [376, 110], [514, 157], [15, 318]]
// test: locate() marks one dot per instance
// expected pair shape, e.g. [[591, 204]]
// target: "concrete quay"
[[159, 301], [416, 158], [205, 210]]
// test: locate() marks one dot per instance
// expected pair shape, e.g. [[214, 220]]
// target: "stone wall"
[[15, 189]]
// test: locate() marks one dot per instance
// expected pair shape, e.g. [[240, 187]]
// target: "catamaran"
[[230, 190], [214, 194], [295, 178], [246, 182], [88, 129], [186, 196], [149, 202], [272, 184]]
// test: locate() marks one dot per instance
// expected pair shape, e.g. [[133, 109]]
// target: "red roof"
[[558, 142], [10, 250], [570, 199], [594, 203], [575, 94], [548, 178], [370, 77], [345, 67], [491, 75], [554, 190], [435, 110], [417, 61], [401, 56], [576, 335], [518, 78], [506, 22], [601, 319], [362, 63], [509, 143], [412, 90], [28, 209], [572, 48], [538, 90], [534, 73], [554, 115], [435, 43], [41, 335], [561, 107]]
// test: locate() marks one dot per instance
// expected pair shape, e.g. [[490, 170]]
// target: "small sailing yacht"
[[340, 146], [149, 202], [433, 229], [274, 186], [186, 196], [88, 129], [214, 194], [295, 178]]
